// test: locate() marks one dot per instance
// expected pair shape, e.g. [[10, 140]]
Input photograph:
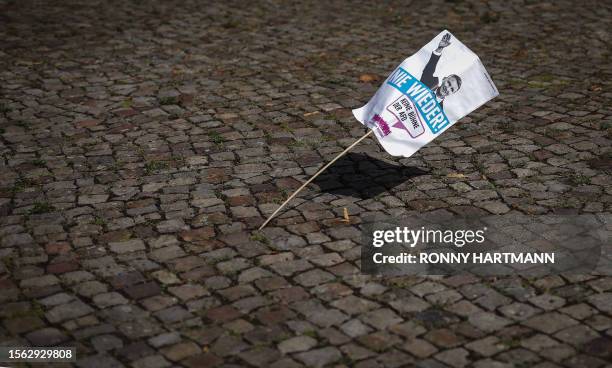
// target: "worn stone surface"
[[144, 142]]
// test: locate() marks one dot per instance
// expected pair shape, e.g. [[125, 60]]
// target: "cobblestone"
[[297, 344], [144, 142], [320, 357]]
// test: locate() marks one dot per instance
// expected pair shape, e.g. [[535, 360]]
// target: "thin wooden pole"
[[314, 176]]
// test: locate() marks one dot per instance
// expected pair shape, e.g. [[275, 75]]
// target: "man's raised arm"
[[427, 78]]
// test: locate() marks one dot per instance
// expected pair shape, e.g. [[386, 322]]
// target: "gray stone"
[[92, 199], [488, 322], [109, 299], [68, 311], [297, 344], [319, 357], [127, 246]]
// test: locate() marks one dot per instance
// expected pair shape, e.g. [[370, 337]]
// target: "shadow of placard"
[[441, 243], [362, 176]]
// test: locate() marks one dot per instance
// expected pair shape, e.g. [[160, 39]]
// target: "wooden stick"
[[314, 176]]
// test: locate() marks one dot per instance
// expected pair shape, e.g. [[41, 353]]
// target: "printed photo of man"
[[450, 84]]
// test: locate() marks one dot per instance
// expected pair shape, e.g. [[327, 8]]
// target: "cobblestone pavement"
[[142, 143]]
